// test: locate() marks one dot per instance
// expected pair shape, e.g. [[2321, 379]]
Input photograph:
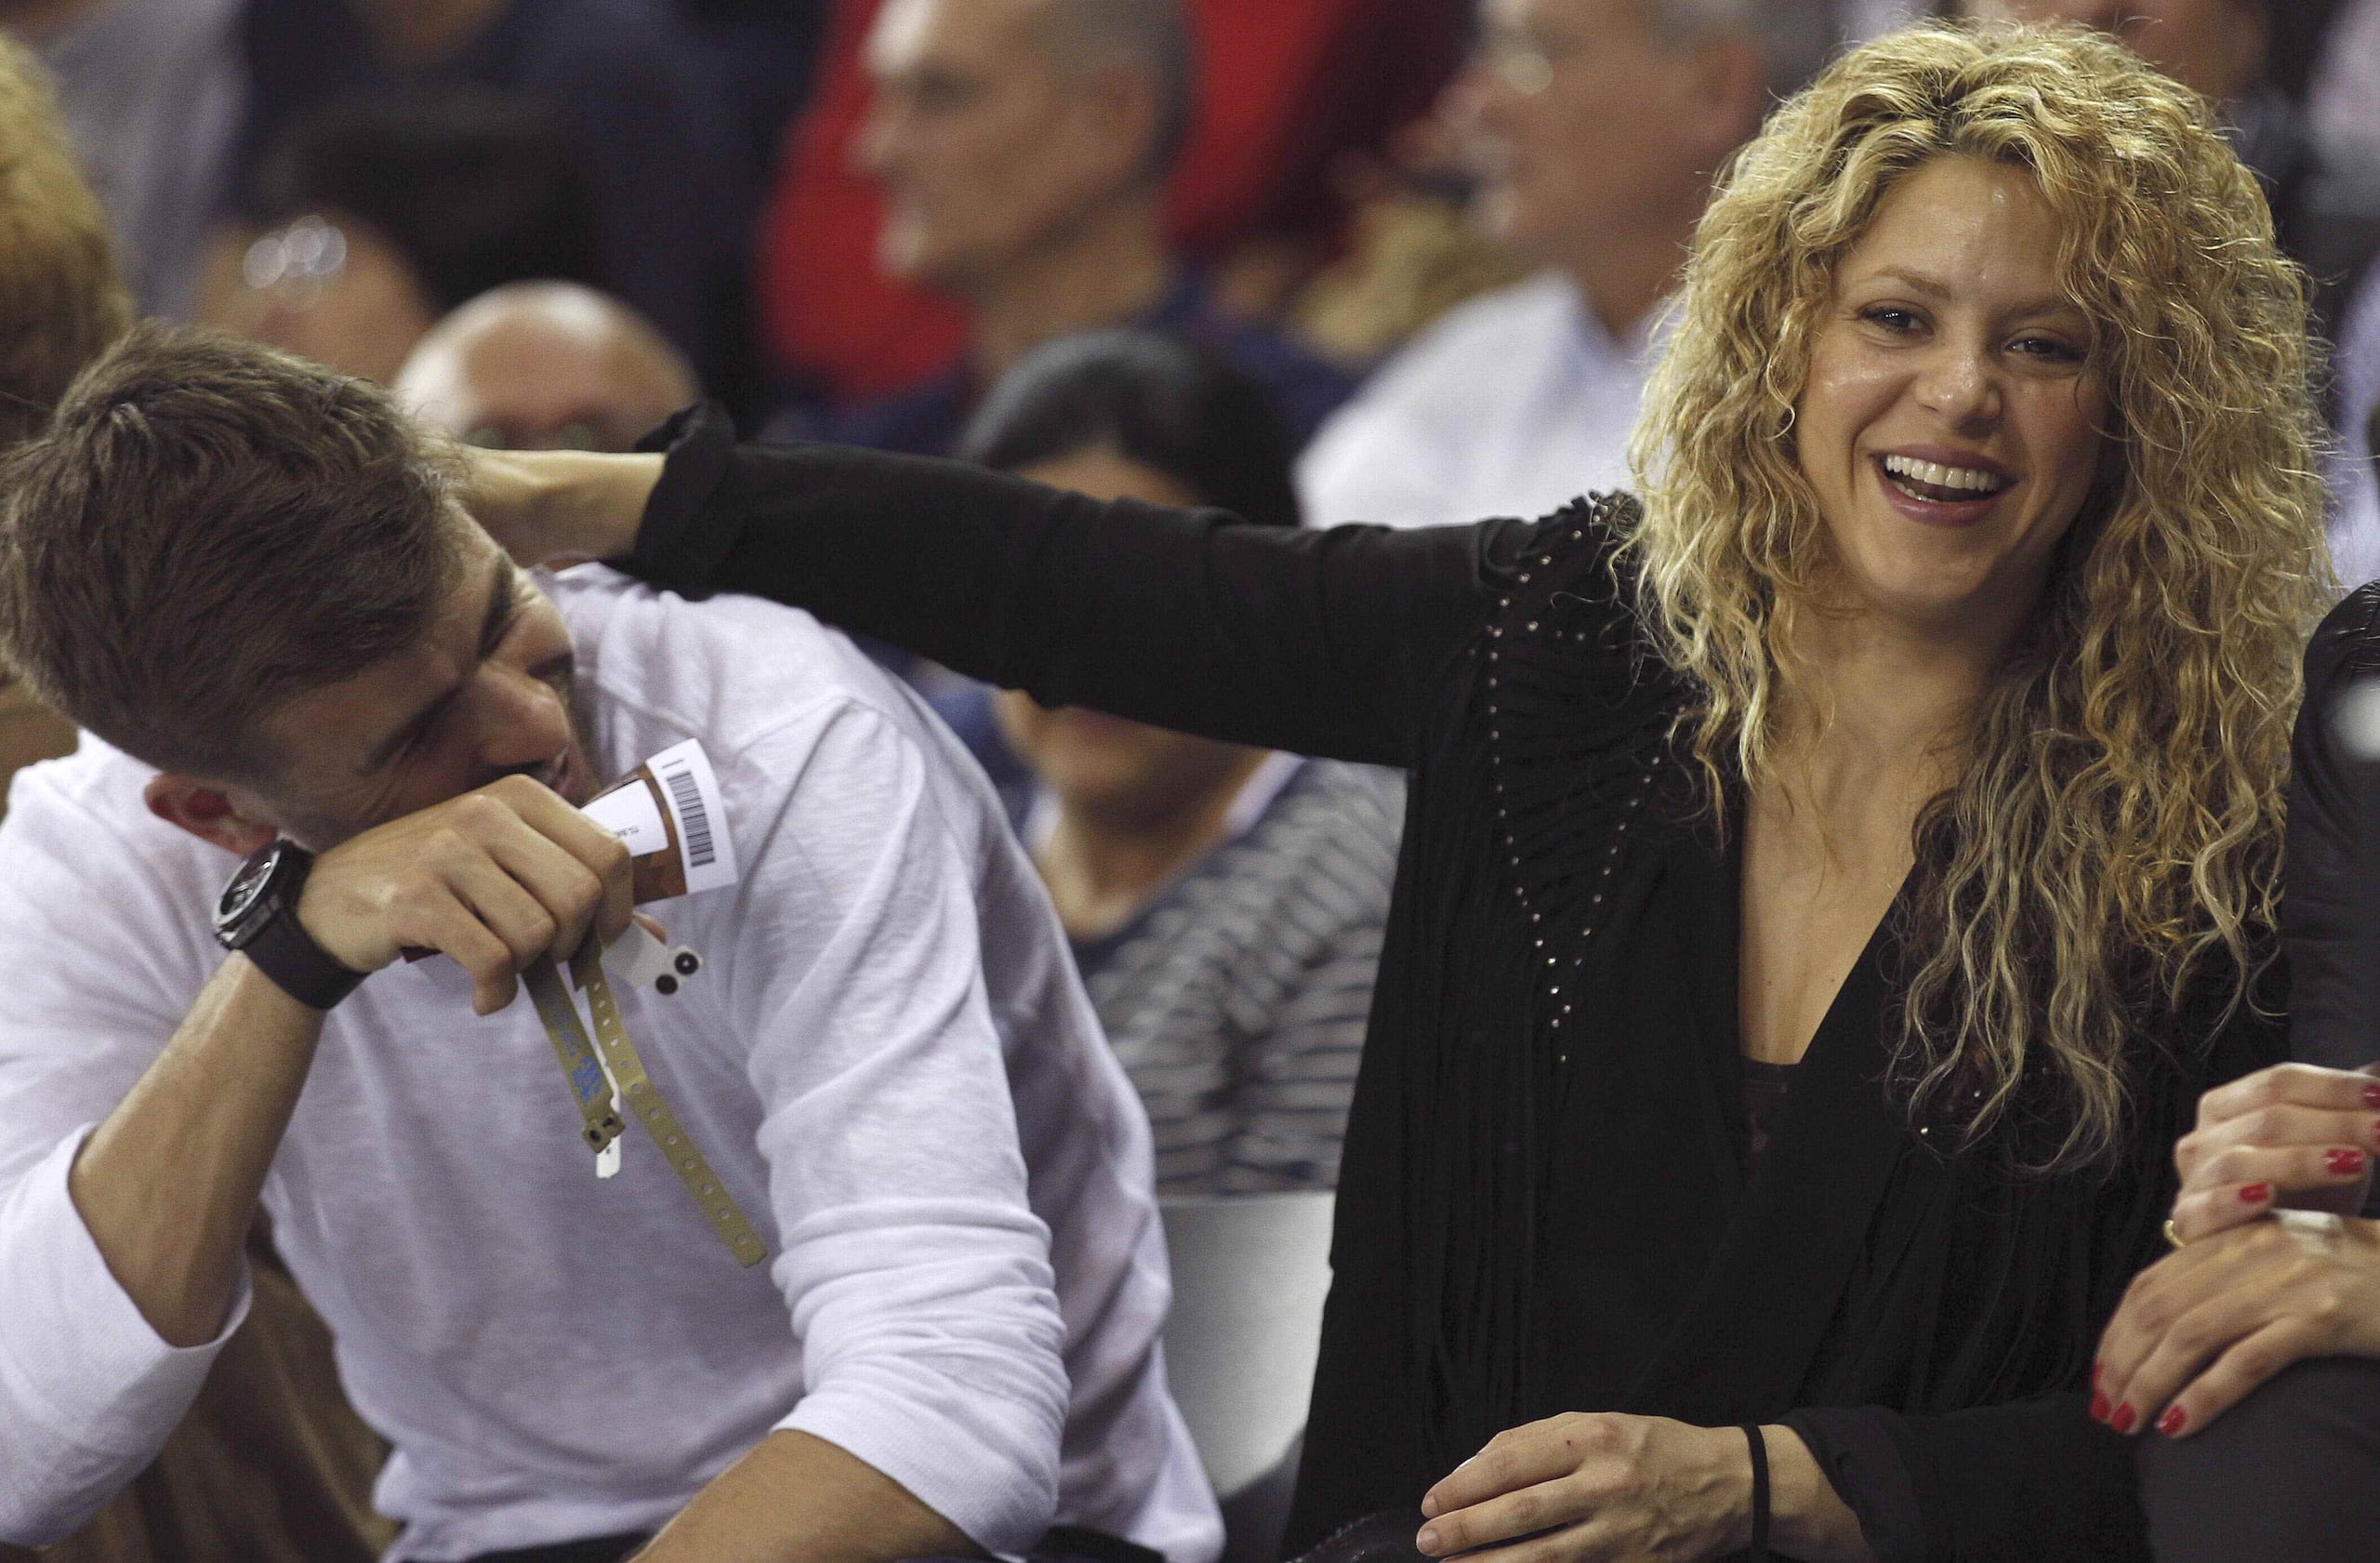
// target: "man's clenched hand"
[[496, 879]]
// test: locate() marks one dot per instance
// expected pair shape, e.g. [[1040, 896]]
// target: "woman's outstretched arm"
[[1319, 642]]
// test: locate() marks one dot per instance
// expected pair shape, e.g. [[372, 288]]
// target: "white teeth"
[[1938, 476]]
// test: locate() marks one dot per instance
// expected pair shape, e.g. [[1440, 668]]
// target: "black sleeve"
[[2030, 1479], [2330, 920], [1322, 643]]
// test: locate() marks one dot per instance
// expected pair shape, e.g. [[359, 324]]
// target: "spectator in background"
[[1225, 904], [380, 216], [639, 95], [151, 93], [2354, 474], [1411, 251], [1862, 19], [545, 366], [1289, 93], [2343, 98], [1023, 147], [1601, 123], [2223, 50]]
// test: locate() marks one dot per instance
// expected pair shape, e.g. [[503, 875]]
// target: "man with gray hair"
[[1598, 128], [1022, 147]]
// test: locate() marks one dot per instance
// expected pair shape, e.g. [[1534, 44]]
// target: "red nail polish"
[[2098, 1407], [2256, 1193], [2345, 1163], [2173, 1422], [2123, 1419], [2371, 1095]]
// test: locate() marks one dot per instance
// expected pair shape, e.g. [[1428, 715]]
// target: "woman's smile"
[[1938, 487]]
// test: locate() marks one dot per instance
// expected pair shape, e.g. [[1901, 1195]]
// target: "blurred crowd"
[[1438, 233], [1314, 261]]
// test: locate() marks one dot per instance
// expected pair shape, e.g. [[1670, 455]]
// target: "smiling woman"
[[2054, 278], [1828, 882]]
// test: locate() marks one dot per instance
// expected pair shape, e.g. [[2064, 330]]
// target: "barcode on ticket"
[[687, 793], [692, 793]]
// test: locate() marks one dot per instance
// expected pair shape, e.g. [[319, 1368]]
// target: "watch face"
[[247, 887]]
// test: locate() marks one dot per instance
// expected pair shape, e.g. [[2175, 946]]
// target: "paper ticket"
[[670, 812]]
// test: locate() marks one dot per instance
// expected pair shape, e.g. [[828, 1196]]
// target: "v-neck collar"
[[1800, 1219], [1719, 1007], [1699, 1290]]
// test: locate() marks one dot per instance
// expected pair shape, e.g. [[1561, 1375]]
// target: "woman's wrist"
[[593, 504], [560, 507], [2360, 1241], [1807, 1518]]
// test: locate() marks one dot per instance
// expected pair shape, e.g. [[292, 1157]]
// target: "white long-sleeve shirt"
[[886, 1058], [2354, 474], [1514, 404]]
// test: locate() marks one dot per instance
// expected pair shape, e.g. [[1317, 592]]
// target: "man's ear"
[[206, 811]]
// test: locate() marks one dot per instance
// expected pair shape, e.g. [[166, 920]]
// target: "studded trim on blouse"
[[1579, 715]]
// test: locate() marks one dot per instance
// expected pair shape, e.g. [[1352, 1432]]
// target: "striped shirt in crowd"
[[1237, 999]]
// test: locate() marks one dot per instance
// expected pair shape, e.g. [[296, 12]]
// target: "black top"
[[2331, 918], [1541, 1206], [1767, 1087]]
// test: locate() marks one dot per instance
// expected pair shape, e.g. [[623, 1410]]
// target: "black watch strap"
[[257, 916], [283, 950]]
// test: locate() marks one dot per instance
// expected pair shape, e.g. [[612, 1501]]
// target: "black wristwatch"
[[259, 916]]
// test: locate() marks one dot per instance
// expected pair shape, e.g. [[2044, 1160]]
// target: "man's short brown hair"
[[207, 528], [61, 298]]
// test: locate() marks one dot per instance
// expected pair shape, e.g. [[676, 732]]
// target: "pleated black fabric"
[[1542, 1204]]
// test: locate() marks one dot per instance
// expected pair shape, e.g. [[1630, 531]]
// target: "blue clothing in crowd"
[[926, 419]]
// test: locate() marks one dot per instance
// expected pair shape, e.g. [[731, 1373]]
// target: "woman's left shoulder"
[[1568, 576], [1584, 535], [1567, 639]]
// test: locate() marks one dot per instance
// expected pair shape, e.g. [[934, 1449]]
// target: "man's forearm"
[[167, 1184], [799, 1498]]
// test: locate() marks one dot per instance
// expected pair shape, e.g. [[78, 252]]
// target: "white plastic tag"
[[638, 959]]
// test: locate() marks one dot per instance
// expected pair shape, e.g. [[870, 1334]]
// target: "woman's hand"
[[2204, 1326], [558, 507], [2290, 1137], [1590, 1487]]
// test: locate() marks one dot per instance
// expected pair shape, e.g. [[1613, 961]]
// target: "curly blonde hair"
[[2114, 840], [61, 300]]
